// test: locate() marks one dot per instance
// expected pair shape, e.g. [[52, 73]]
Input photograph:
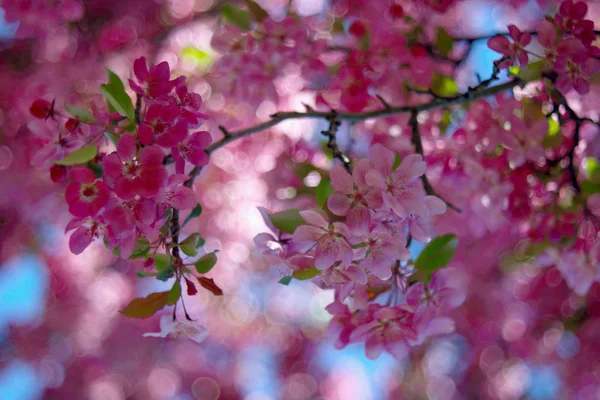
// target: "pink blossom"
[[176, 195], [176, 329], [575, 67], [331, 245], [344, 279], [389, 330], [511, 50], [86, 195], [143, 175], [161, 125], [399, 188], [353, 197], [191, 150], [154, 82], [189, 105], [437, 295], [524, 141], [378, 250], [86, 231]]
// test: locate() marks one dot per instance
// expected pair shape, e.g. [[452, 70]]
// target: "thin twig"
[[418, 144], [332, 145]]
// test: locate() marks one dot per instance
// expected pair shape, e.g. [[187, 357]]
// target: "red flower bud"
[[71, 125], [418, 50], [397, 11], [149, 263], [357, 29], [58, 173], [41, 108], [191, 288]]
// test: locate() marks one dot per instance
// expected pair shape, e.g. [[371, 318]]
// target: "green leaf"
[[206, 263], [162, 261], [142, 246], [531, 72], [554, 138], [196, 212], [141, 274], [236, 16], [167, 225], [285, 280], [147, 306], [258, 13], [114, 138], [81, 156], [174, 293], [514, 70], [446, 120], [397, 161], [97, 169], [444, 86], [443, 41], [437, 254], [287, 221], [198, 57], [306, 273], [81, 113], [191, 243], [589, 188], [114, 91], [324, 190], [592, 170]]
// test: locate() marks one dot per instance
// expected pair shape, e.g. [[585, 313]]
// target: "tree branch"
[[330, 133], [418, 144]]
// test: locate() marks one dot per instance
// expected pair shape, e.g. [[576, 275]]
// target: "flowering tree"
[[434, 203]]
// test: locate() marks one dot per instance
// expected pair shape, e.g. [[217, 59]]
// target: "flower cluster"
[[125, 195], [119, 185], [567, 41], [362, 245]]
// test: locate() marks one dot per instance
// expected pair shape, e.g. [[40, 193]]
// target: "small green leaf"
[[589, 188], [142, 246], [397, 161], [191, 243], [514, 70], [81, 156], [114, 91], [437, 254], [287, 221], [162, 261], [97, 169], [206, 263], [446, 120], [174, 293], [285, 280], [305, 274], [198, 57], [147, 306], [592, 170], [114, 138], [443, 41], [236, 16], [324, 190], [167, 225], [554, 138], [443, 85], [196, 212], [81, 113], [257, 12], [531, 72], [141, 274]]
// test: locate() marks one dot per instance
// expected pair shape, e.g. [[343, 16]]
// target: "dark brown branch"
[[138, 108], [418, 144], [330, 133]]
